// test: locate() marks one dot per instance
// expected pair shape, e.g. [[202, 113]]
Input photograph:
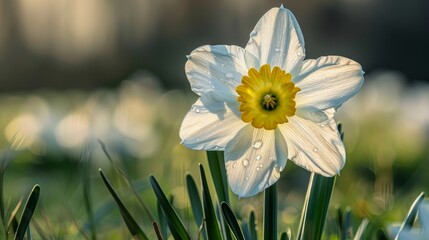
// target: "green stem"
[[270, 212]]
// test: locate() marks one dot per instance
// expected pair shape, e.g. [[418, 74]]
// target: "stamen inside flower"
[[267, 98]]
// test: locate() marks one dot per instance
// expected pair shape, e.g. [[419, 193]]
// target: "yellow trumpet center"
[[267, 98]]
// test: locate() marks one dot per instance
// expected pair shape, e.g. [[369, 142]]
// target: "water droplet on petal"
[[258, 157], [247, 178], [245, 162], [257, 169], [322, 125], [277, 49], [315, 149], [299, 53], [260, 165], [257, 144], [223, 65]]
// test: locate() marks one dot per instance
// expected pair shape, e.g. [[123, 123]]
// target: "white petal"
[[314, 114], [254, 159], [218, 69], [327, 82], [315, 147], [277, 40], [210, 124]]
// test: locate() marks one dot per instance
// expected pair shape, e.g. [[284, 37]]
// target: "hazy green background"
[[72, 72]]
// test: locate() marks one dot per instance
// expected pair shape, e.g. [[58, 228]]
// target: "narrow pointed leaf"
[[216, 162], [361, 229], [346, 226], [412, 214], [232, 221], [29, 208], [315, 206], [252, 226], [86, 187], [132, 225], [176, 226], [270, 212], [196, 204], [217, 169], [126, 179], [162, 221], [284, 236], [212, 224], [13, 222], [246, 231]]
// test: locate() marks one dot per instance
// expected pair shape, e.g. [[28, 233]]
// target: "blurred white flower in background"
[[388, 116]]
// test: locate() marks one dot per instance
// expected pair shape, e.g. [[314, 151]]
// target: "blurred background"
[[75, 71]]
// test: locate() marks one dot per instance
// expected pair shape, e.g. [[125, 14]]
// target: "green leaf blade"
[[217, 169], [176, 226], [196, 204], [316, 206], [132, 225], [212, 225], [27, 214], [232, 221]]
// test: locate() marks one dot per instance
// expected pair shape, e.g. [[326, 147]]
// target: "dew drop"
[[260, 165], [257, 169], [223, 65], [315, 149], [322, 125], [228, 75], [257, 144], [299, 53], [247, 178], [246, 162], [258, 157], [277, 49]]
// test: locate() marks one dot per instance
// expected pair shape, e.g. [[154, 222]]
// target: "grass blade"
[[270, 212], [252, 226], [232, 221], [217, 169], [412, 214], [284, 236], [196, 204], [316, 206], [176, 226], [346, 226], [86, 187], [13, 223], [162, 221], [132, 225], [29, 208], [126, 179], [212, 224]]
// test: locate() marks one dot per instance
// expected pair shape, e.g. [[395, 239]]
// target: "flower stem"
[[270, 212]]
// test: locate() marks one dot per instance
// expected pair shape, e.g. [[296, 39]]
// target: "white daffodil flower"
[[265, 104]]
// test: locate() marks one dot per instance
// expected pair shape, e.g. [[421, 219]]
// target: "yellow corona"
[[267, 97]]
